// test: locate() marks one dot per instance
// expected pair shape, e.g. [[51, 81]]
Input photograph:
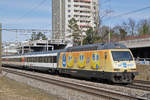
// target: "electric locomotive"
[[113, 62]]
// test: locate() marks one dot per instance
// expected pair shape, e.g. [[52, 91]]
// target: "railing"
[[143, 61]]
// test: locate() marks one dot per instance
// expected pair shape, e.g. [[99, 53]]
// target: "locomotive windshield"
[[121, 56]]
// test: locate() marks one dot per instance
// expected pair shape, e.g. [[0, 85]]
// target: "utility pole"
[[0, 48], [109, 23]]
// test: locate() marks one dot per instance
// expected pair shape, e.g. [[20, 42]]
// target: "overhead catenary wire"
[[30, 30], [34, 7], [128, 13]]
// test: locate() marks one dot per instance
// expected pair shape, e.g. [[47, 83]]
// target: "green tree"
[[91, 36], [123, 33], [89, 39], [75, 31], [38, 36]]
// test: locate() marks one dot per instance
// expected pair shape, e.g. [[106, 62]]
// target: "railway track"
[[107, 93], [139, 84]]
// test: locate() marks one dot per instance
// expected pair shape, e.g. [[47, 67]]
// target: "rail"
[[140, 84], [107, 93]]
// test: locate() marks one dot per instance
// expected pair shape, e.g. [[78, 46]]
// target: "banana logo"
[[95, 61], [70, 61], [81, 61]]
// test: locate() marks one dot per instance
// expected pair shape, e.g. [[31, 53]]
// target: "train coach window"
[[13, 59], [40, 59], [33, 59], [43, 59], [30, 59], [3, 59], [36, 59], [49, 59], [46, 59], [54, 59], [19, 59], [27, 59]]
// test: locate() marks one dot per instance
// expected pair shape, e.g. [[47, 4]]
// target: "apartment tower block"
[[86, 12]]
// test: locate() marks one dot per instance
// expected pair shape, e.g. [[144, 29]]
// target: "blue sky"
[[36, 14]]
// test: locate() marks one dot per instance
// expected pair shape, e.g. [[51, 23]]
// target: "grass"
[[12, 90]]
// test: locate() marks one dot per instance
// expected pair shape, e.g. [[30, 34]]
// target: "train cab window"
[[121, 56]]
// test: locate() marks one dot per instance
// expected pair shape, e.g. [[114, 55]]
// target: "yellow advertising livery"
[[100, 61], [113, 62]]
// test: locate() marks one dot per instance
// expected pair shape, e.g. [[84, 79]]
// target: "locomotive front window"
[[121, 56]]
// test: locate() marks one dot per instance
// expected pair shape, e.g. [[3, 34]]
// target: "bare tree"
[[132, 26], [144, 27]]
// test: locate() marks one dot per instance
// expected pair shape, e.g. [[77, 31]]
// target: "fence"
[[143, 61]]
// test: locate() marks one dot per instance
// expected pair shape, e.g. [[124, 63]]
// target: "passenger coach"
[[113, 62]]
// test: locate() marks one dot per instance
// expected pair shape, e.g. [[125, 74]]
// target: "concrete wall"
[[144, 72], [138, 43]]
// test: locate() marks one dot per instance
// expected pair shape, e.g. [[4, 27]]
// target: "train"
[[113, 62]]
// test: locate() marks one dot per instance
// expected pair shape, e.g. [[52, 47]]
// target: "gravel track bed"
[[130, 91]]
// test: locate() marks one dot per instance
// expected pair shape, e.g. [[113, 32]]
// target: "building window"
[[69, 15], [69, 10], [69, 5], [76, 15]]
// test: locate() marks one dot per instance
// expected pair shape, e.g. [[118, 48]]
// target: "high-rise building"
[[84, 11]]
